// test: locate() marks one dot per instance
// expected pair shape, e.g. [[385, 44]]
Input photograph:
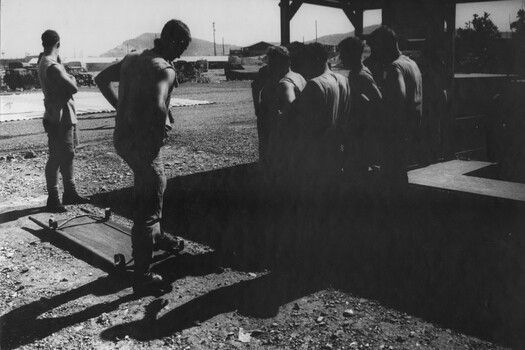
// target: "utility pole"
[[223, 46], [214, 47], [315, 30]]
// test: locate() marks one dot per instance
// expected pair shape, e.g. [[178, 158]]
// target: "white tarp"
[[31, 105]]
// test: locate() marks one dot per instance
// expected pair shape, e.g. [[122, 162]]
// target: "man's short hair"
[[50, 38], [316, 52], [295, 48], [278, 55], [385, 35], [175, 29], [352, 46]]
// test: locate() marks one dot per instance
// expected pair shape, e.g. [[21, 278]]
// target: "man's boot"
[[145, 281], [53, 204], [71, 196], [167, 243]]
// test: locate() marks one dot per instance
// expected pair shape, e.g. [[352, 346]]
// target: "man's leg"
[[52, 166], [154, 188], [150, 184], [67, 154]]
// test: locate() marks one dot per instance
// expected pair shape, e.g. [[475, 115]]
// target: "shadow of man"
[[260, 297], [14, 215], [25, 324]]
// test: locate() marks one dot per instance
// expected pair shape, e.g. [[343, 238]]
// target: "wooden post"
[[450, 43], [285, 22], [355, 15], [358, 26], [387, 13]]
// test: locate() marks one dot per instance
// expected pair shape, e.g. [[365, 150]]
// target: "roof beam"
[[355, 15], [377, 4], [325, 3], [293, 8], [365, 5]]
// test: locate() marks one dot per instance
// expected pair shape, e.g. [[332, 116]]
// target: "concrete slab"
[[452, 176], [30, 105]]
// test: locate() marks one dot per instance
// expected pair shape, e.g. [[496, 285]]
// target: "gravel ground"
[[51, 300]]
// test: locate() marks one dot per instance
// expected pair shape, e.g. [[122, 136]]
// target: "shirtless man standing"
[[146, 80], [60, 122]]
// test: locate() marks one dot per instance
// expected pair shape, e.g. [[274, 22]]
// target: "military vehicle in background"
[[79, 71], [236, 71], [191, 71], [21, 76], [24, 76], [185, 71]]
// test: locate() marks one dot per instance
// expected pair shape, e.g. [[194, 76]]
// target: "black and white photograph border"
[[273, 250]]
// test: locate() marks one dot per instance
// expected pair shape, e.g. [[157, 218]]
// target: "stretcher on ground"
[[98, 240]]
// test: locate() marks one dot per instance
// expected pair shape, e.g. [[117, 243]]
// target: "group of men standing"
[[315, 126], [320, 129]]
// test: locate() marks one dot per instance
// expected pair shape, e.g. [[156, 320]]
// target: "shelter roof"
[[376, 4]]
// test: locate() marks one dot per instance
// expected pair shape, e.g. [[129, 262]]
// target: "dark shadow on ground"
[[250, 298], [7, 137], [449, 258], [102, 127], [94, 117], [215, 208], [26, 324], [19, 213]]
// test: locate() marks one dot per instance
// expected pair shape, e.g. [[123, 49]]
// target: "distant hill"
[[334, 39], [197, 47]]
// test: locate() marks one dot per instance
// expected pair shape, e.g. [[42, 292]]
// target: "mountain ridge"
[[200, 47], [197, 47]]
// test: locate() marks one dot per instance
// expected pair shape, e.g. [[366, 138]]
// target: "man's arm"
[[371, 90], [256, 91], [165, 80], [58, 75], [394, 96], [104, 82], [257, 86], [286, 95]]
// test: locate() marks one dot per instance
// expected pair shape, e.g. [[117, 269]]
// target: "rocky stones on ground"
[[30, 154], [348, 313]]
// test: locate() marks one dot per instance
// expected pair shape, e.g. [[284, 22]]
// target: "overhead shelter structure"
[[419, 15], [433, 20], [426, 29]]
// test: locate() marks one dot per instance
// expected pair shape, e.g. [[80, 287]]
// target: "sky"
[[92, 27]]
